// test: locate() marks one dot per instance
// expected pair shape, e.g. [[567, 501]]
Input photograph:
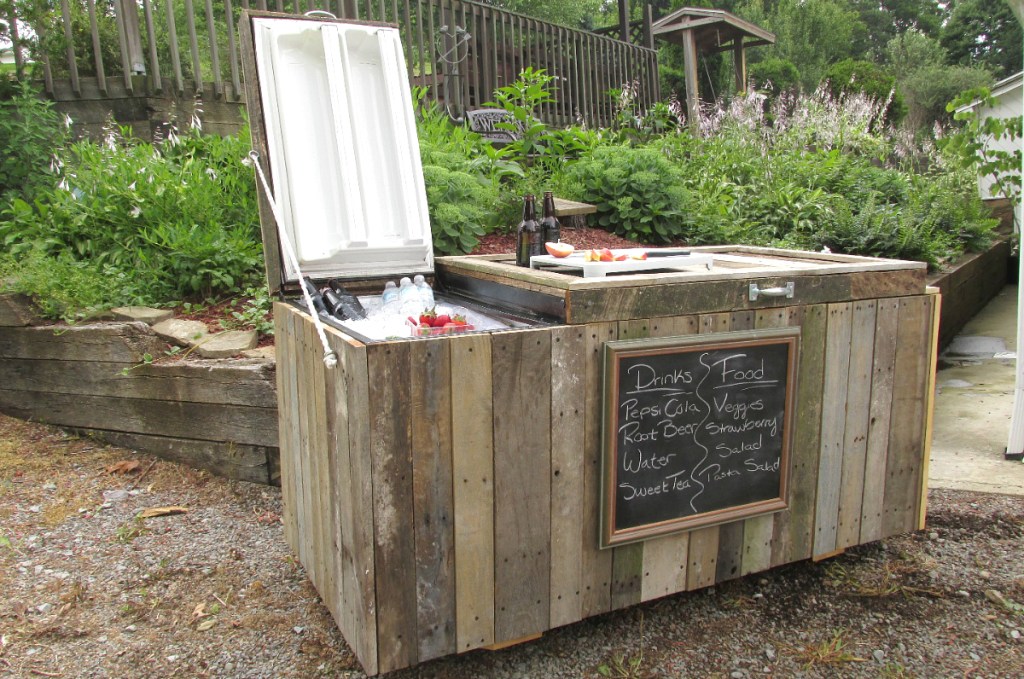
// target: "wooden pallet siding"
[[468, 485], [219, 415]]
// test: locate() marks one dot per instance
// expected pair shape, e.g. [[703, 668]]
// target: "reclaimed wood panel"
[[473, 493], [302, 440], [390, 366], [759, 531], [794, 528], [833, 426], [324, 538], [568, 440], [858, 414], [883, 365], [433, 504], [352, 495], [906, 439], [230, 460], [521, 367], [597, 563], [628, 560], [112, 342], [702, 567], [289, 425], [226, 423], [731, 539]]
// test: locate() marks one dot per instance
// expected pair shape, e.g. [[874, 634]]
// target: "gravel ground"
[[92, 591]]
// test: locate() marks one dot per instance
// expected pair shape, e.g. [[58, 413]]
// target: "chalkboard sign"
[[696, 430]]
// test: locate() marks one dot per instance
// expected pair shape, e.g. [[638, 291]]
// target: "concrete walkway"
[[974, 399]]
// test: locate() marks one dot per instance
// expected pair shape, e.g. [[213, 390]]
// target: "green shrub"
[[638, 192], [32, 133], [851, 76], [172, 221]]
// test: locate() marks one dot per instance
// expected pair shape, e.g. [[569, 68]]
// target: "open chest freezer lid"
[[336, 133]]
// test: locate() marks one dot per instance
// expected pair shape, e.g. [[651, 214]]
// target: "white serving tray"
[[342, 148], [601, 269]]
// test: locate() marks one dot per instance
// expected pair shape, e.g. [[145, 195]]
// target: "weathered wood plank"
[[628, 560], [665, 558], [17, 311], [113, 342], [906, 439], [388, 407], [597, 563], [703, 556], [793, 533], [521, 365], [229, 460], [358, 564], [730, 551], [759, 532], [326, 542], [732, 536], [627, 575], [833, 426], [289, 424], [665, 561], [711, 296], [882, 368], [434, 510], [226, 423], [858, 414], [302, 471], [568, 441], [704, 543], [473, 469]]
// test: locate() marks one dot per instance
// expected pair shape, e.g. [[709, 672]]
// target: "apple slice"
[[559, 249]]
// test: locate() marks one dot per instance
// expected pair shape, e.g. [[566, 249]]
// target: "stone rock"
[[226, 344], [265, 353], [180, 332], [147, 315], [879, 655]]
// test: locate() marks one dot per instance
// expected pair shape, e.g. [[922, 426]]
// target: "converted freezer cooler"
[[619, 439]]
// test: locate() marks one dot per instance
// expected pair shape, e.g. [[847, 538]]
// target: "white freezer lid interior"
[[344, 156]]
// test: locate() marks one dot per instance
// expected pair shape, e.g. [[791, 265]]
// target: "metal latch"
[[786, 291]]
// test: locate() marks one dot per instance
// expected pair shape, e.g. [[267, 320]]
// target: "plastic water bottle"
[[426, 292], [389, 300], [409, 297]]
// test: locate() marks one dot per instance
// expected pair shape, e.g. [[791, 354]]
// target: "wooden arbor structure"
[[708, 31]]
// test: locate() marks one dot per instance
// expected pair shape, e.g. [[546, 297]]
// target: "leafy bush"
[[171, 221], [31, 133], [638, 192]]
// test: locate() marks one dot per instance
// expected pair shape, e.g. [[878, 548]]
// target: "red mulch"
[[582, 239]]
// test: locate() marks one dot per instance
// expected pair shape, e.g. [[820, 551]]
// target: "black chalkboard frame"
[[614, 353]]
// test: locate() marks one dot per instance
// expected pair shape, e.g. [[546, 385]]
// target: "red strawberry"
[[427, 317], [441, 320], [459, 319]]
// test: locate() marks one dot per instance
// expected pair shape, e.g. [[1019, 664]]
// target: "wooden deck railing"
[[458, 49]]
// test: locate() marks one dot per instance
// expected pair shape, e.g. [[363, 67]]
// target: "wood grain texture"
[[703, 557], [352, 499], [597, 563], [568, 440], [289, 424], [906, 440], [389, 365], [665, 558], [473, 493], [521, 367], [711, 296], [301, 466], [17, 310], [883, 365], [833, 426], [433, 504], [111, 342], [858, 415], [794, 529], [230, 460]]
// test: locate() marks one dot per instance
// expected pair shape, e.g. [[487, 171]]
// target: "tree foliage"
[[984, 32]]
